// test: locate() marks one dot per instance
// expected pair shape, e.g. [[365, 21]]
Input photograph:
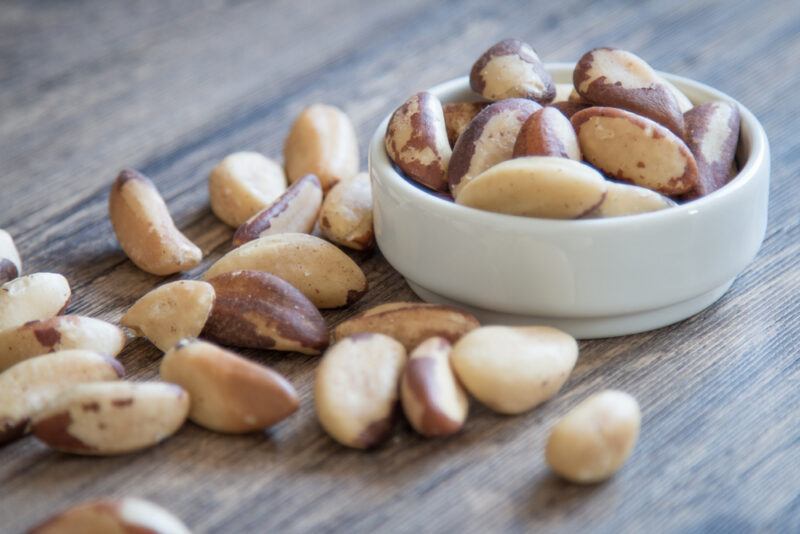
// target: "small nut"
[[511, 69], [356, 389], [29, 386], [322, 272], [62, 332], [243, 184], [258, 310], [635, 149], [547, 132], [145, 229], [536, 186], [33, 298], [623, 199], [410, 323], [228, 393], [294, 211], [458, 115], [10, 264], [346, 215], [684, 104], [564, 92], [592, 441], [322, 142], [107, 418], [434, 402], [128, 515], [514, 369], [171, 312], [568, 109]]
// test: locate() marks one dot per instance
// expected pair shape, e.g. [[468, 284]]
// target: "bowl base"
[[590, 327]]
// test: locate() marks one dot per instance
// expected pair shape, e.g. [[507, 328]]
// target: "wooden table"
[[171, 87]]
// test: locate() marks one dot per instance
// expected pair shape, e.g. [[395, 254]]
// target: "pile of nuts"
[[619, 140]]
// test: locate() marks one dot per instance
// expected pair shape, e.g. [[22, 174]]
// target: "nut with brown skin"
[[258, 310], [568, 109], [10, 264], [624, 199], [512, 69], [228, 393], [458, 115], [118, 516], [346, 215], [33, 298], [294, 211], [547, 132], [356, 389], [145, 229]]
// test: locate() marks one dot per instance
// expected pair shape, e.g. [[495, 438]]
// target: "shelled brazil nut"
[[33, 297], [10, 263], [127, 515]]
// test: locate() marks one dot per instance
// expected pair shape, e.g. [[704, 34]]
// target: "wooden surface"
[[170, 87]]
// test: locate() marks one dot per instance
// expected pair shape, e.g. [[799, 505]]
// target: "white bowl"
[[592, 278]]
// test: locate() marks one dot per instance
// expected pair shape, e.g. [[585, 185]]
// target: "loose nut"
[[346, 215], [514, 369], [488, 140], [171, 312], [458, 115], [356, 389], [59, 333], [10, 264], [145, 229], [623, 199], [410, 323], [29, 386], [33, 298], [536, 186], [106, 418], [619, 79], [228, 393], [635, 149], [434, 402], [261, 311], [243, 184], [322, 272], [592, 441], [124, 516], [294, 211], [547, 132], [416, 141], [322, 142], [511, 69]]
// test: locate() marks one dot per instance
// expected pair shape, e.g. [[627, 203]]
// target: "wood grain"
[[87, 87]]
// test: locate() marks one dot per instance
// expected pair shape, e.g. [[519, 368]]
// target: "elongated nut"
[[59, 333], [592, 441], [434, 402], [356, 389], [294, 211], [107, 418], [33, 298], [410, 323], [547, 132], [458, 115], [258, 310], [322, 272], [10, 264], [514, 369], [243, 184], [322, 142], [228, 393], [145, 229], [346, 215], [623, 199], [123, 516], [29, 386], [171, 312], [512, 69]]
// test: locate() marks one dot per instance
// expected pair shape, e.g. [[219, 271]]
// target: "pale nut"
[[536, 186], [29, 386], [322, 272], [416, 141], [595, 438], [514, 369], [356, 389], [434, 402], [62, 332], [10, 264], [294, 211], [512, 69], [117, 516], [458, 115], [410, 323], [564, 92], [108, 418], [33, 298], [684, 104], [243, 184], [145, 229], [346, 215], [258, 310], [635, 149], [322, 142], [171, 312], [228, 393], [547, 132], [624, 199]]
